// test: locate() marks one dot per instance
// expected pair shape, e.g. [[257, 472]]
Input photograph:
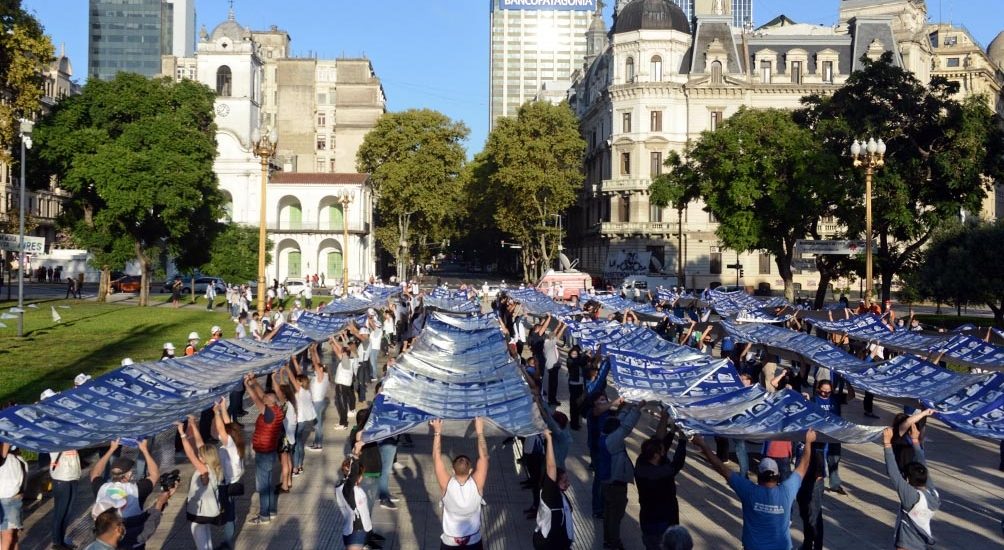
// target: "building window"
[[332, 165], [716, 72], [322, 120], [765, 72], [952, 62], [656, 119], [716, 120], [625, 203], [322, 143], [629, 70], [625, 164], [796, 72], [765, 264], [654, 213], [716, 263], [224, 81], [828, 72], [626, 123], [656, 68], [321, 165], [656, 164]]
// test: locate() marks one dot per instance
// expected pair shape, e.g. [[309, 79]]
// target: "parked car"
[[126, 283], [200, 285], [295, 287]]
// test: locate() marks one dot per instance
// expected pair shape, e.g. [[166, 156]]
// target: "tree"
[[414, 159], [529, 173], [766, 180], [962, 264], [233, 255], [941, 157], [137, 154], [25, 51], [677, 187]]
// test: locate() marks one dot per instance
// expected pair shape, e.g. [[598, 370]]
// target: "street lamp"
[[26, 127], [868, 155], [344, 199], [264, 148]]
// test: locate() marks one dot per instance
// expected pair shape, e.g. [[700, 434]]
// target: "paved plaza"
[[963, 469]]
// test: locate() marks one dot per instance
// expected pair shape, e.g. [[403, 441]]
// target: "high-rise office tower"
[[132, 35], [534, 42], [742, 10]]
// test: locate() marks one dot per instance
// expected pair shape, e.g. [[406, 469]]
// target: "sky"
[[433, 53]]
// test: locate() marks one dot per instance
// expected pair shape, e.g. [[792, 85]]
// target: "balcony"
[[638, 229], [285, 227], [624, 186]]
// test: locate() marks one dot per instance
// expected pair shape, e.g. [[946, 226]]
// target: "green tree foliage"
[[415, 159], [962, 265], [25, 51], [676, 187], [941, 156], [529, 172], [137, 154], [233, 256], [767, 181]]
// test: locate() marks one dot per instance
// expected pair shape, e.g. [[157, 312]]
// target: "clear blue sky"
[[432, 53]]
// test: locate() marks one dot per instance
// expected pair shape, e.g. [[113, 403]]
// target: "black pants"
[[552, 384], [534, 464], [236, 403], [345, 399], [869, 403], [575, 406], [614, 505], [810, 508]]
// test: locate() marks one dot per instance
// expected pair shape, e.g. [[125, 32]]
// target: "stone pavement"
[[963, 469]]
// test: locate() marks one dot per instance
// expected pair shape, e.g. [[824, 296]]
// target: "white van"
[[572, 281]]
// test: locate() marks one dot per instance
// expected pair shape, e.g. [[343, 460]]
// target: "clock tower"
[[228, 63]]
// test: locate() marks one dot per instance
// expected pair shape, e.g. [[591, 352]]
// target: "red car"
[[128, 283]]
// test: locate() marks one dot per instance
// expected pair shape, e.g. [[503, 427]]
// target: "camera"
[[169, 479]]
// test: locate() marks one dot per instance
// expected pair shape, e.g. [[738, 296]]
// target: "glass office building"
[[132, 35], [742, 11], [534, 42]]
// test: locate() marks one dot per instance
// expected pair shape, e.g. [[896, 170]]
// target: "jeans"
[[810, 508], [362, 378], [388, 450], [319, 408], [62, 500], [345, 399], [301, 436], [743, 456], [264, 464], [236, 404], [614, 506], [832, 464], [369, 486], [229, 504]]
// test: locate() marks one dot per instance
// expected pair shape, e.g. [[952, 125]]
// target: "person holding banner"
[[918, 498], [767, 503], [555, 530], [462, 492], [655, 476]]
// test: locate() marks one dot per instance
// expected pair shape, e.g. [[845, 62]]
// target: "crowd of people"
[[291, 408]]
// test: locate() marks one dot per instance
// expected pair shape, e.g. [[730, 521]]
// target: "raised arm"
[[912, 421], [220, 420], [803, 463], [254, 390], [442, 476], [99, 467], [716, 463], [660, 431], [193, 431], [550, 466], [480, 474], [189, 452]]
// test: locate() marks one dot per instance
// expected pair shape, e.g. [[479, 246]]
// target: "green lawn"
[[951, 320], [91, 338]]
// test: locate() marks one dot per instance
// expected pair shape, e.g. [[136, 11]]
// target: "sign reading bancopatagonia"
[[565, 5]]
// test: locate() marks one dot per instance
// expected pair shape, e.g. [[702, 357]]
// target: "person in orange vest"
[[193, 338]]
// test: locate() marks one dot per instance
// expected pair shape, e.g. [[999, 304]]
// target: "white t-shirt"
[[389, 326], [304, 406], [230, 459], [344, 371], [376, 336], [12, 475], [551, 357], [66, 467], [364, 345], [289, 422], [348, 515], [319, 386], [461, 512]]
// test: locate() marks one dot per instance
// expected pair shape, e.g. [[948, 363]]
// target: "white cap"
[[81, 379], [46, 393], [193, 335], [371, 312], [215, 329], [168, 346], [126, 362], [768, 465]]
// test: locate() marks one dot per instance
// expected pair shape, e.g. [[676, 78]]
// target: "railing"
[[624, 185], [639, 228], [316, 227]]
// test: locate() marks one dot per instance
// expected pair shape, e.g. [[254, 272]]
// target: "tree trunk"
[[524, 256], [783, 263], [402, 246], [104, 282], [887, 275], [144, 266], [193, 287], [824, 285], [998, 314]]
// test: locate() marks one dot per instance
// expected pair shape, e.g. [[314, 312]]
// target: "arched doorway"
[[289, 259], [290, 213], [330, 214], [330, 260]]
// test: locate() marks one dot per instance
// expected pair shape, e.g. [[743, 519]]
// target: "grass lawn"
[[92, 338], [951, 320]]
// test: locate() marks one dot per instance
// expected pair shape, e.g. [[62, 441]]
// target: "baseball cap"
[[126, 362], [122, 465], [169, 346], [46, 393], [768, 465], [215, 329], [193, 335], [81, 379], [112, 496]]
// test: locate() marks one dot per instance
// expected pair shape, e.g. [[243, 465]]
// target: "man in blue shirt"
[[767, 503]]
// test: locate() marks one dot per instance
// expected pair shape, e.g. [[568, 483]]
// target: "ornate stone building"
[[656, 82]]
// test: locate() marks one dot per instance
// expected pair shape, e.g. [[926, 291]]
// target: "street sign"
[[804, 264], [32, 245], [809, 246], [735, 266]]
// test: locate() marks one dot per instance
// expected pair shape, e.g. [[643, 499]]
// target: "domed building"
[[661, 79]]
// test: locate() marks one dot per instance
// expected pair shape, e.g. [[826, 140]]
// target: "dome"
[[996, 50], [651, 15], [230, 29]]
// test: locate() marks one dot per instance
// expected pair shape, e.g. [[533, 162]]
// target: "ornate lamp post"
[[345, 199], [868, 155], [264, 148], [26, 127]]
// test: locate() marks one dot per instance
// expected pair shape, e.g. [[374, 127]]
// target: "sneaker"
[[352, 414], [260, 520], [315, 448], [386, 504], [393, 499], [339, 428], [398, 466], [297, 472]]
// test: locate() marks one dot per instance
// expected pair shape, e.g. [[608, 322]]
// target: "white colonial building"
[[303, 214]]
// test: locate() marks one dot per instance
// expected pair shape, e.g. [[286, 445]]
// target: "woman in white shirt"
[[203, 507], [353, 504], [318, 396], [345, 398], [305, 416], [13, 470], [231, 451]]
